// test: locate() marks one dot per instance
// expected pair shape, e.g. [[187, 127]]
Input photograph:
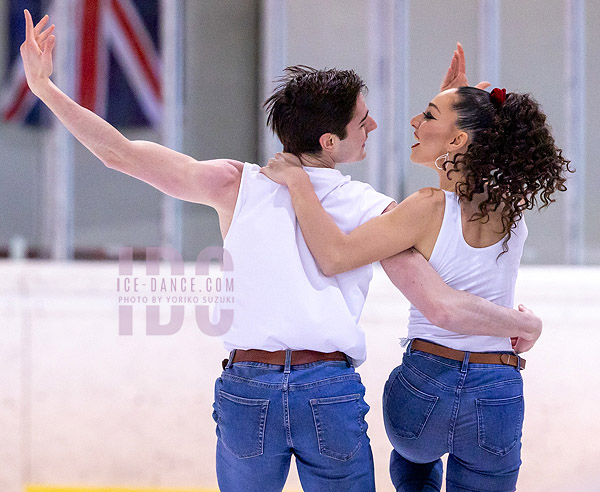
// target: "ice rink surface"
[[81, 405]]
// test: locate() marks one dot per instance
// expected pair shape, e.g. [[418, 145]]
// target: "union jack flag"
[[117, 72]]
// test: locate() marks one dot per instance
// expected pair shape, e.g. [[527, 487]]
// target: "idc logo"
[[208, 291]]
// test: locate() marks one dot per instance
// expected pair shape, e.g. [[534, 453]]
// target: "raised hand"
[[456, 75], [283, 167], [36, 51]]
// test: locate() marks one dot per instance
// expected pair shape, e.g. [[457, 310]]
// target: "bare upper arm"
[[213, 182], [402, 227], [409, 223]]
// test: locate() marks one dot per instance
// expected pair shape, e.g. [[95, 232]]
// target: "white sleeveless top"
[[476, 270], [281, 298]]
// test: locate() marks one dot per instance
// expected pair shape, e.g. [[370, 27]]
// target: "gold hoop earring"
[[445, 157]]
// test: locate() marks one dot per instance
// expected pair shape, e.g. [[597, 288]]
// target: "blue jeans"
[[265, 413], [474, 412]]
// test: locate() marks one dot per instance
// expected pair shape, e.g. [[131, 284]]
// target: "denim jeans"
[[474, 412], [265, 413]]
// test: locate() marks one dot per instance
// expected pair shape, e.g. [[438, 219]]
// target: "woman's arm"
[[383, 236]]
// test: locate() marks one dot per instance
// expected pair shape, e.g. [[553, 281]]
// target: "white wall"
[[222, 103]]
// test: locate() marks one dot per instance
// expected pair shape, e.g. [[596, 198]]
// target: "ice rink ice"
[[82, 406]]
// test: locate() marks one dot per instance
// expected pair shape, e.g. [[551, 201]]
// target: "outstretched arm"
[[213, 183], [456, 310]]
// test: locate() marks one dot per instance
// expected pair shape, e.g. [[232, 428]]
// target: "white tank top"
[[281, 298], [476, 270]]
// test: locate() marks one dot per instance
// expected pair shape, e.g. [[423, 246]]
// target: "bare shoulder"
[[431, 193], [432, 204], [228, 177], [228, 165], [212, 182], [222, 173], [426, 199], [234, 171], [236, 165], [417, 210]]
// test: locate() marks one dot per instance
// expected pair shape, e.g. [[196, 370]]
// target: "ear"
[[328, 141], [460, 140]]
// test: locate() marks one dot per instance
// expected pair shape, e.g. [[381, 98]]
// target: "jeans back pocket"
[[340, 424], [406, 408], [499, 423], [241, 424]]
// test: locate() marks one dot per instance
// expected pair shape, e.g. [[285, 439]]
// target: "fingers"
[[461, 58], [451, 74], [447, 79], [282, 160], [28, 25], [454, 64], [49, 46], [40, 25], [43, 36], [483, 85], [278, 157], [37, 33]]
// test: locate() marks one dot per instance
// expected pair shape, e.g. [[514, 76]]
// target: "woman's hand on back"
[[284, 168]]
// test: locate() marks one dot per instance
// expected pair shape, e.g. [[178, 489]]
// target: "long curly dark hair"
[[512, 156]]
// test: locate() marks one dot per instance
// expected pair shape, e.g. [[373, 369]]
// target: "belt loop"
[[518, 363], [288, 361], [230, 360], [465, 363]]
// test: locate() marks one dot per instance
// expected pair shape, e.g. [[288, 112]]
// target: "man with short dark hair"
[[289, 386]]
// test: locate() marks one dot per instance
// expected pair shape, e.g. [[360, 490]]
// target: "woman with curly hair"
[[456, 393]]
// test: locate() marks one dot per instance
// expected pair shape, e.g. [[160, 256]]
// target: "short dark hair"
[[308, 103]]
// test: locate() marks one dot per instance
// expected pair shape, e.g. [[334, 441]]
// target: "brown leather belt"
[[475, 357], [278, 358]]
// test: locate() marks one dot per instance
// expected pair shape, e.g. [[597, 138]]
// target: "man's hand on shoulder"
[[284, 169]]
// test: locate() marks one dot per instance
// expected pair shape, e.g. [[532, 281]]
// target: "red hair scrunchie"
[[497, 97]]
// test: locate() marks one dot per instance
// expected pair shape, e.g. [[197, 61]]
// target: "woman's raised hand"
[[36, 51], [283, 168], [456, 75]]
